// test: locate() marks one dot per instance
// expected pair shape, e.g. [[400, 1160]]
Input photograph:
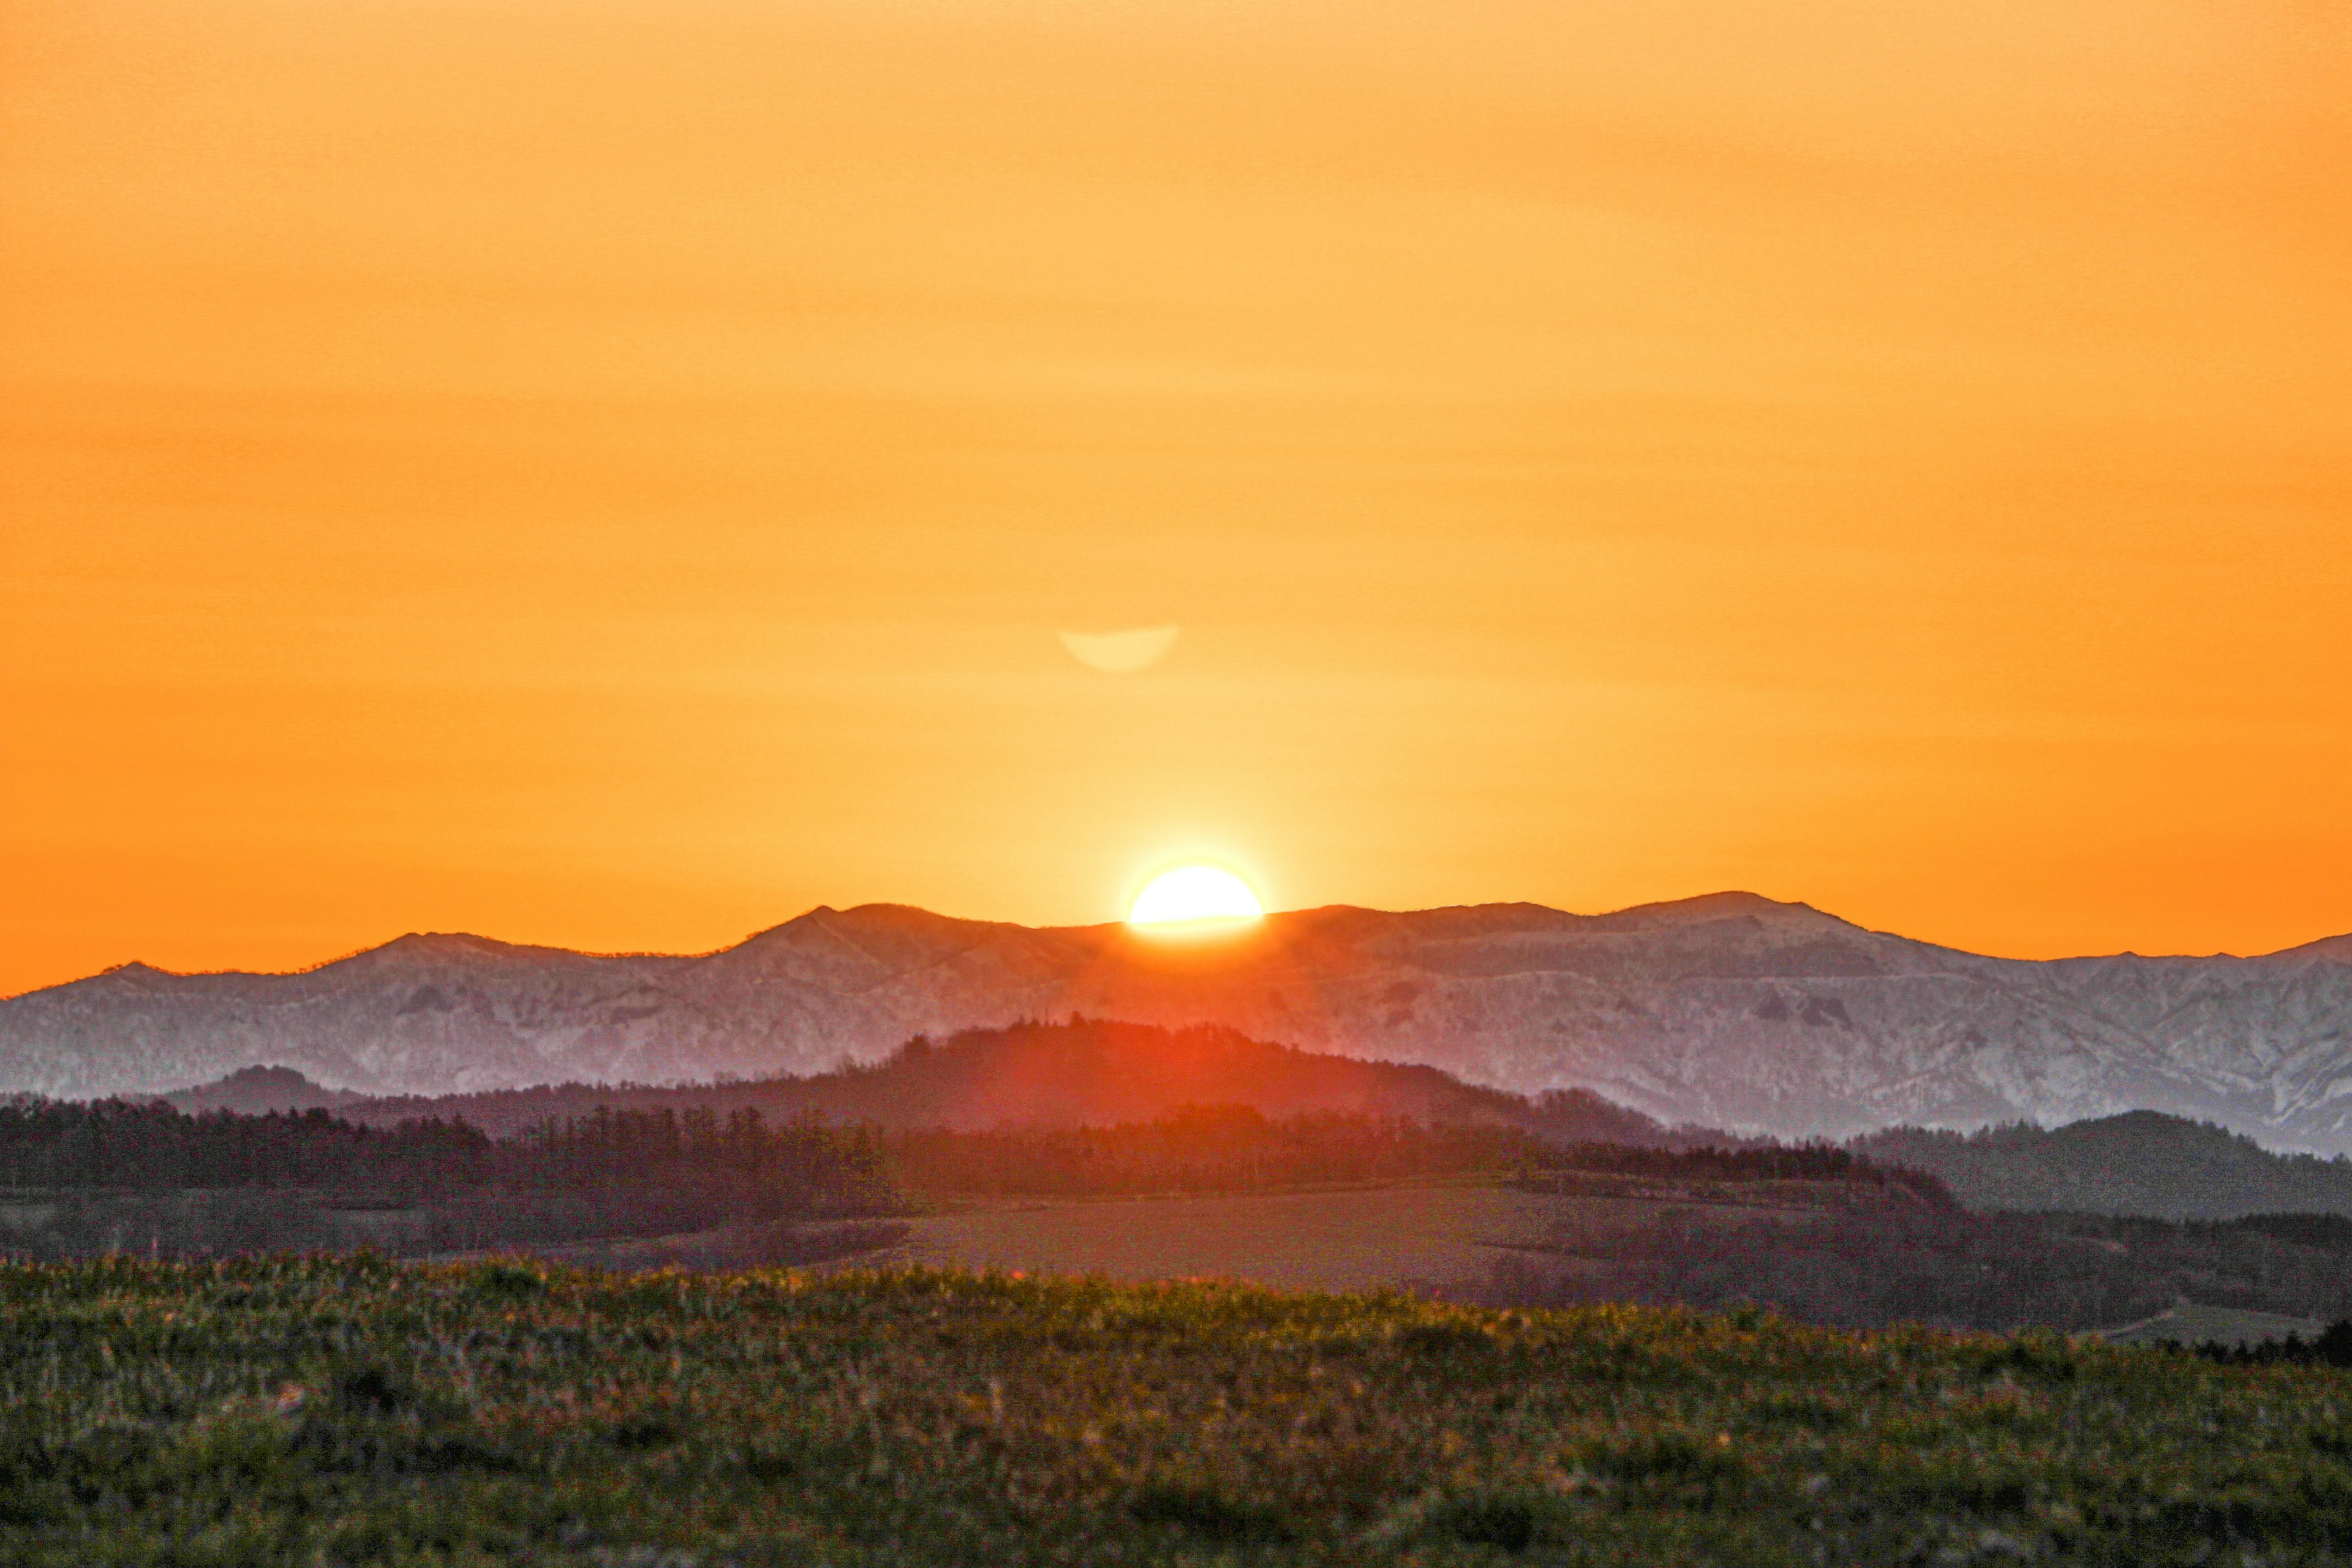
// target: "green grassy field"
[[354, 1410]]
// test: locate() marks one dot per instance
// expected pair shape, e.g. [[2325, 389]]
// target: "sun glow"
[[1194, 893]]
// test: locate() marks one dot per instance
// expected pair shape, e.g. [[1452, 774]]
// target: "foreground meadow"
[[353, 1410]]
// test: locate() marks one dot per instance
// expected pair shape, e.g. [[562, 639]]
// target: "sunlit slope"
[[1076, 1073], [352, 1411], [1731, 1010]]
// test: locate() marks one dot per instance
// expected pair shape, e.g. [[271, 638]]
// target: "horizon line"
[[1727, 893]]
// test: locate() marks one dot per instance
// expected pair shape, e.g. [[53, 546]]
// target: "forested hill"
[[2140, 1163], [1083, 1072], [257, 1091]]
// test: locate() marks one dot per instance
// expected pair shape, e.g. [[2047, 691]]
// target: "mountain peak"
[[446, 944], [909, 916], [1732, 901], [1707, 908], [2326, 950], [419, 949], [864, 923], [136, 971], [848, 951]]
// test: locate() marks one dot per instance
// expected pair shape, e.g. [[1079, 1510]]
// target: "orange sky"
[[611, 473]]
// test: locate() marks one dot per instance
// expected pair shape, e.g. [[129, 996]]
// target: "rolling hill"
[[1079, 1073], [2136, 1163], [1729, 1010]]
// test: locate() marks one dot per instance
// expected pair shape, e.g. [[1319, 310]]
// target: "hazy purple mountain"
[[1731, 1010], [256, 1091]]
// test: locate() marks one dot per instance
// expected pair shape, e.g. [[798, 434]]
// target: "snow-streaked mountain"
[[1731, 1010]]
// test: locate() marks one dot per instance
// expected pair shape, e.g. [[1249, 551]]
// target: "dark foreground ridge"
[[1078, 1073], [359, 1411]]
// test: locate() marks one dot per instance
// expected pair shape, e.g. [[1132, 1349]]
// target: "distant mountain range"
[[1729, 1010]]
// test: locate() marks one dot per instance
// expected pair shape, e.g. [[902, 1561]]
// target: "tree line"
[[115, 1175], [740, 1157], [754, 1165], [123, 1145], [1812, 1162], [2332, 1346]]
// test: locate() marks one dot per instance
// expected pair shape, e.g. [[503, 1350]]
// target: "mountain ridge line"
[[1729, 1010]]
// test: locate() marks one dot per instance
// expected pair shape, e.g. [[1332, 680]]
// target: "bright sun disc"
[[1194, 893]]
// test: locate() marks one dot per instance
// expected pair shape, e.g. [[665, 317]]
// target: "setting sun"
[[1194, 893]]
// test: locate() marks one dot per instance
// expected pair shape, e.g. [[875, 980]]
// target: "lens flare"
[[1194, 893]]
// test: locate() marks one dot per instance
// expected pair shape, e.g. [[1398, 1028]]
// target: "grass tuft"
[[1207, 1511], [1509, 1522]]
